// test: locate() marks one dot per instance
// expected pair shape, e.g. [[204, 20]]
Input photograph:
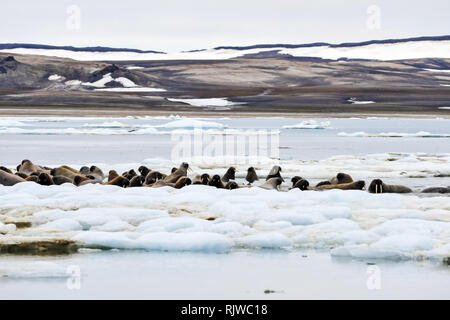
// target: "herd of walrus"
[[178, 178]]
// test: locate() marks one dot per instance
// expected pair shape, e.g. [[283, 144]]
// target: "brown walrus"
[[229, 175], [112, 175], [9, 179], [301, 184], [357, 185], [27, 167], [251, 175], [152, 177], [216, 182], [378, 186], [119, 181], [340, 178], [65, 171], [59, 180], [45, 179], [180, 172], [436, 190]]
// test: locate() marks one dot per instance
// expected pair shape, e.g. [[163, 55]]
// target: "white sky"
[[176, 25]]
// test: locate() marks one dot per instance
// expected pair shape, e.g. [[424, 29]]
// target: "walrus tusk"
[[381, 189], [376, 188]]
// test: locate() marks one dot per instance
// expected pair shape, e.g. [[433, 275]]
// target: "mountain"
[[384, 50], [386, 76]]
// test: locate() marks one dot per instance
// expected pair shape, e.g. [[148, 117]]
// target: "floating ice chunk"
[[192, 123], [114, 226], [192, 241], [6, 228], [266, 240], [420, 134], [171, 224], [73, 83], [309, 124], [209, 102]]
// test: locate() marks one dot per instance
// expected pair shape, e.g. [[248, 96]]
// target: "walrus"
[[81, 180], [201, 179], [182, 182], [216, 182], [20, 174], [143, 170], [378, 186], [119, 181], [136, 181], [295, 179], [323, 183], [65, 171], [301, 184], [180, 172], [357, 185], [6, 169], [229, 175], [173, 170], [272, 184], [112, 174], [9, 179], [129, 174], [59, 180], [32, 178], [152, 177], [97, 173], [45, 179], [341, 178], [251, 175], [27, 167], [274, 172], [231, 185], [84, 170], [436, 190]]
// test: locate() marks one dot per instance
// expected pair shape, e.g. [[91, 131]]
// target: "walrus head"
[[230, 174], [205, 178], [136, 181], [295, 179], [45, 179], [216, 182], [360, 184], [143, 170], [173, 170], [231, 185], [376, 186], [343, 178], [152, 177], [84, 170], [302, 184]]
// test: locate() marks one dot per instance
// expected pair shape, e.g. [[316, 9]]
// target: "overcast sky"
[[176, 25]]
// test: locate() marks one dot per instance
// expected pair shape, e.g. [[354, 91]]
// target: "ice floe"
[[420, 134], [309, 124], [347, 223]]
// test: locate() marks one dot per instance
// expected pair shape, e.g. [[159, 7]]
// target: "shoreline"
[[114, 113]]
